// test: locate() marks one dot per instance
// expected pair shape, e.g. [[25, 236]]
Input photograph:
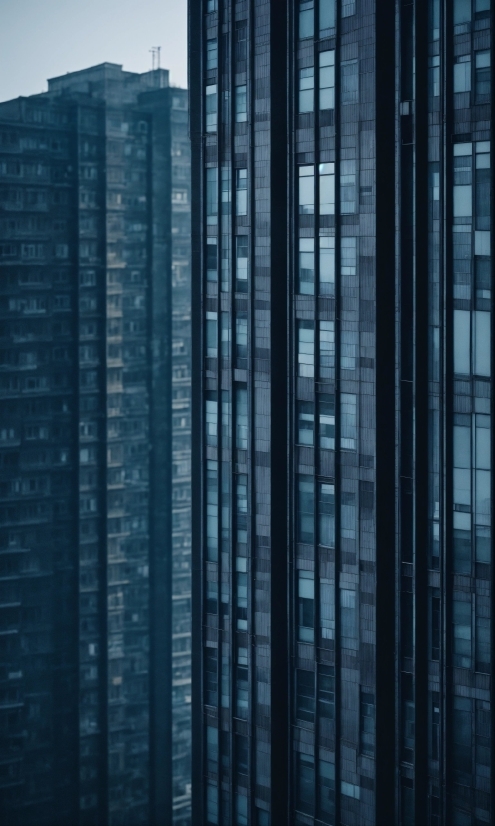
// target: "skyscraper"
[[342, 411], [94, 451]]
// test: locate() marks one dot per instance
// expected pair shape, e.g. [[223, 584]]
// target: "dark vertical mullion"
[[198, 216], [385, 330], [421, 412], [408, 269], [292, 380], [443, 239], [251, 367], [492, 419], [448, 380], [316, 266], [316, 615], [278, 393], [337, 410], [233, 445]]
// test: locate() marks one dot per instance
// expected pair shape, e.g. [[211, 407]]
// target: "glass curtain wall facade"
[[342, 199]]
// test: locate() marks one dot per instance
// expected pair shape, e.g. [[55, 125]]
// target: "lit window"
[[211, 195], [211, 107], [306, 601], [306, 266], [306, 349], [211, 418], [211, 335], [348, 411], [462, 12], [327, 265], [241, 263], [240, 104], [306, 89], [462, 74], [327, 188], [327, 17], [305, 423], [327, 623], [306, 19], [306, 190], [327, 80], [327, 422], [241, 191]]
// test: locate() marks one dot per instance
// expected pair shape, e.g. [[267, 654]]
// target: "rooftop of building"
[[106, 81]]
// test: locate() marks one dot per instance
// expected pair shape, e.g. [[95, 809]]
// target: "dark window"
[[462, 633], [211, 259], [349, 81], [242, 753], [241, 40], [434, 725], [482, 646], [367, 723], [212, 510], [326, 790], [211, 54], [212, 749], [326, 692], [462, 740], [435, 624], [211, 676], [305, 695], [326, 514], [305, 509], [241, 338], [211, 597], [408, 718], [305, 779]]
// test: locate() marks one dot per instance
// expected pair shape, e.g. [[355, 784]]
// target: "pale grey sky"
[[45, 38]]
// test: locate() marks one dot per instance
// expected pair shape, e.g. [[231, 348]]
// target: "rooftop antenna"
[[155, 61]]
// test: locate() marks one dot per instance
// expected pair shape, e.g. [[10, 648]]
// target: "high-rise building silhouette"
[[94, 452], [342, 411]]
